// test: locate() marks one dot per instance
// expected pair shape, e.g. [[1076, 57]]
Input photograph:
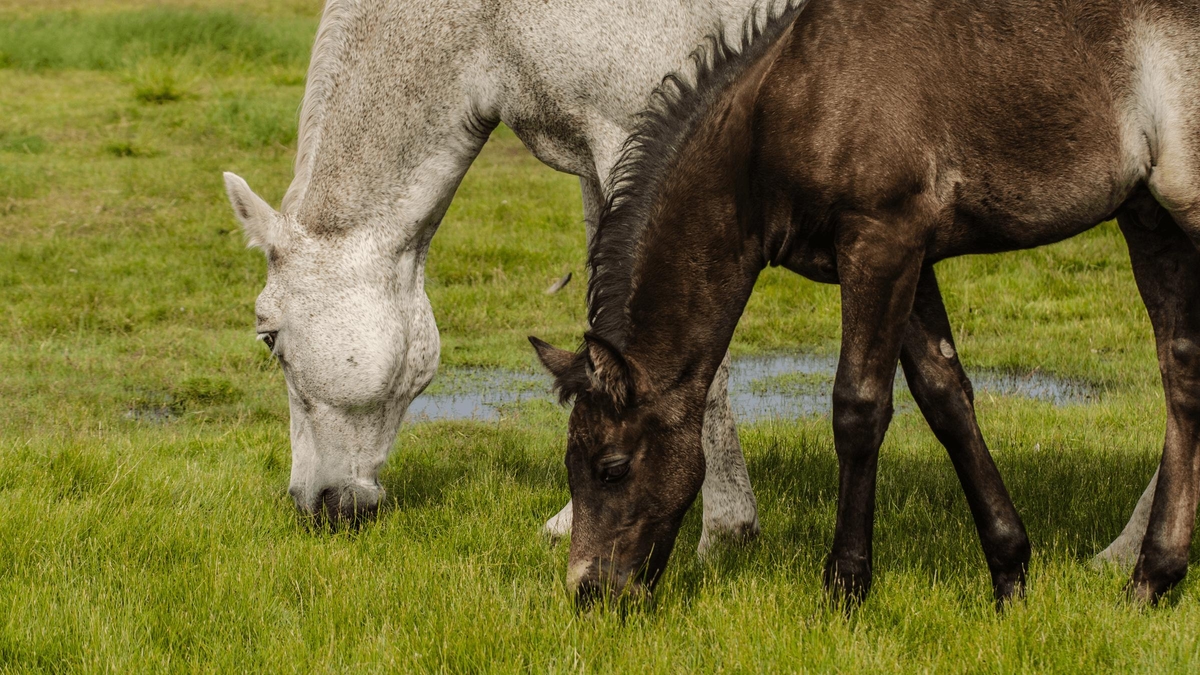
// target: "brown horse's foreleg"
[[943, 393], [1166, 267], [879, 265]]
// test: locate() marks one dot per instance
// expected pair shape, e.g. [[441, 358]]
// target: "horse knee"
[[860, 416], [1185, 356], [942, 395], [1009, 547], [1185, 370]]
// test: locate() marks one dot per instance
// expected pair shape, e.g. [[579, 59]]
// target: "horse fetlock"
[[1186, 354], [1146, 592], [1008, 561], [859, 423], [1155, 574], [1008, 586], [848, 577], [1008, 547], [943, 390]]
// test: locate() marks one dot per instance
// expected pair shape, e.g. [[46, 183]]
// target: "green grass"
[[133, 543], [219, 39]]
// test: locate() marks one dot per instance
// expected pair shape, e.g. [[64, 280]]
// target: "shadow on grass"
[[446, 456], [1072, 504]]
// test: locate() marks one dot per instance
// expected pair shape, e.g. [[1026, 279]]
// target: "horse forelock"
[[677, 106]]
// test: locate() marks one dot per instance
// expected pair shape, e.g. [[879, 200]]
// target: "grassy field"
[[131, 544]]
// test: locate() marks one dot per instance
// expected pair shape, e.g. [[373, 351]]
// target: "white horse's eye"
[[268, 339]]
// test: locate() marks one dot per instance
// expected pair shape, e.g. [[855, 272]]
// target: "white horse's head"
[[347, 317]]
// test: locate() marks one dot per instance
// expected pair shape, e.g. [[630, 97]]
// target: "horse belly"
[[1023, 207], [575, 72]]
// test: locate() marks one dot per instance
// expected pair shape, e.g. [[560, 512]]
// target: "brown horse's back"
[[1004, 124]]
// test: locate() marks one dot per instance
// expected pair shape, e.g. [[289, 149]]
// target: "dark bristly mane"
[[676, 108]]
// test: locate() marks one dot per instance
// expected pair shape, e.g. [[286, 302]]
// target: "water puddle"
[[476, 394], [761, 387], [797, 385]]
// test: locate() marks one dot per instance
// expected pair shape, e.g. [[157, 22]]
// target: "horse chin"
[[350, 504], [335, 479], [596, 583], [602, 580]]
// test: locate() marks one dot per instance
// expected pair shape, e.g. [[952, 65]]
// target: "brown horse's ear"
[[557, 361], [610, 372]]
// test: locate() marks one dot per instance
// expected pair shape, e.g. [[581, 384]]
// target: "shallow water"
[[761, 387], [476, 394]]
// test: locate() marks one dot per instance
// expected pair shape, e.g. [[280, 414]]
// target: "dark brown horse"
[[859, 143]]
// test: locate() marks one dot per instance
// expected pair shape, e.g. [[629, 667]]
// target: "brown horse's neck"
[[679, 248], [699, 255]]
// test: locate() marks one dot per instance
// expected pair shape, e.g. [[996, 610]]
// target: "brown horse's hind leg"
[[1166, 266], [879, 265], [943, 393]]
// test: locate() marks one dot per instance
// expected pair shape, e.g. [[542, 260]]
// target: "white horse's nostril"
[[297, 495]]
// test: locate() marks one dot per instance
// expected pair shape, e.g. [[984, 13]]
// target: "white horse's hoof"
[[559, 526], [1119, 556], [717, 534]]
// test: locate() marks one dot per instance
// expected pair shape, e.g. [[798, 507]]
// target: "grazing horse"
[[400, 97], [859, 143]]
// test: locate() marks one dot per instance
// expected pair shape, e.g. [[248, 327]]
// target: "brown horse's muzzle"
[[599, 580]]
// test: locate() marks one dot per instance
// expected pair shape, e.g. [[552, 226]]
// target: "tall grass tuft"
[[157, 81]]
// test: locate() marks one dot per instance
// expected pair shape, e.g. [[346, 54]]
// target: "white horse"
[[400, 97]]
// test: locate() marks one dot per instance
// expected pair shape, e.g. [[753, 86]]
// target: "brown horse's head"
[[634, 463]]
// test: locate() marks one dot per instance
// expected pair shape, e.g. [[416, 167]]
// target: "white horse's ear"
[[257, 217]]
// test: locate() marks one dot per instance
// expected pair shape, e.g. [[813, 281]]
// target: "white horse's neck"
[[390, 119]]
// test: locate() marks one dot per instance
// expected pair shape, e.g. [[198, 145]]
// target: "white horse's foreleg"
[[593, 204], [1124, 550], [560, 525], [730, 510]]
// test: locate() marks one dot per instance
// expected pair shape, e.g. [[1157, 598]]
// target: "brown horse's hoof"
[[1154, 576], [1146, 593], [1142, 594], [1008, 587], [848, 581]]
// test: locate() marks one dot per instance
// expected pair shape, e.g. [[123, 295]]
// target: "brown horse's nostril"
[[587, 593]]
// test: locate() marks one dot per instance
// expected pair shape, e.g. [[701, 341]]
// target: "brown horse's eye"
[[268, 339], [613, 468]]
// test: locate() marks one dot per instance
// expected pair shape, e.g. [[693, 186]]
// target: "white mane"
[[328, 49]]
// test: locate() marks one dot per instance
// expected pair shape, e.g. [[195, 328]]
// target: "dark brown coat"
[[860, 145]]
